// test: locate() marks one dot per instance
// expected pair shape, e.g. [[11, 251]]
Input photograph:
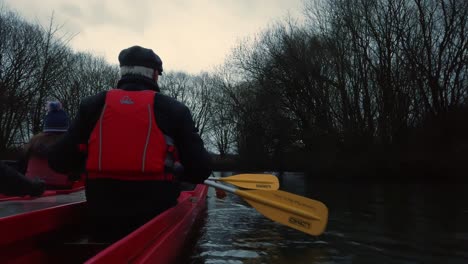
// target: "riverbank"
[[450, 166]]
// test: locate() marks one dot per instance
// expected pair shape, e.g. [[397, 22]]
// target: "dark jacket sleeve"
[[65, 155], [22, 163], [16, 184], [194, 157]]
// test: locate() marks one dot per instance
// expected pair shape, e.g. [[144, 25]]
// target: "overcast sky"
[[188, 35]]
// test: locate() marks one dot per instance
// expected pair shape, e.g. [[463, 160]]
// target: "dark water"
[[378, 222]]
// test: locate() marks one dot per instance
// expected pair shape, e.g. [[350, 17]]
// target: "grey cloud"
[[70, 10], [131, 15], [100, 13], [182, 31]]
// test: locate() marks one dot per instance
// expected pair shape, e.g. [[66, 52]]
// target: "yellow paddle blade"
[[252, 181], [301, 213]]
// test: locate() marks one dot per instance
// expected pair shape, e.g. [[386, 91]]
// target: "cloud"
[[70, 9], [188, 35]]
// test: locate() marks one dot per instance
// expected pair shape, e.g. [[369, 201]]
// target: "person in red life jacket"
[[56, 122], [13, 183], [134, 141]]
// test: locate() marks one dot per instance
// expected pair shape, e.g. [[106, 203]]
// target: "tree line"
[[354, 77], [385, 79], [37, 65]]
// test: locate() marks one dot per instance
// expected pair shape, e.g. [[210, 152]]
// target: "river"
[[369, 222]]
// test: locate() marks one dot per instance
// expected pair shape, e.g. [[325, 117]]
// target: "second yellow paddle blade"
[[301, 213], [253, 181]]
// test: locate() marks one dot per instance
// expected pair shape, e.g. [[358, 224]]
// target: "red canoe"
[[54, 234], [77, 186]]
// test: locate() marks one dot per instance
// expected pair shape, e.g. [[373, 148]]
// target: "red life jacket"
[[38, 167], [126, 143]]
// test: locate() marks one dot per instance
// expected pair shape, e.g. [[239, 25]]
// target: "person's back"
[[126, 133], [56, 122]]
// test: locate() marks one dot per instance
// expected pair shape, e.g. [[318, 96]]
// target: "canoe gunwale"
[[20, 232], [163, 227]]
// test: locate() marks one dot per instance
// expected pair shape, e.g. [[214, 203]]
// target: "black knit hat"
[[139, 56]]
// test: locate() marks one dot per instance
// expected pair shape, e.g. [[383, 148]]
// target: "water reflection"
[[379, 222]]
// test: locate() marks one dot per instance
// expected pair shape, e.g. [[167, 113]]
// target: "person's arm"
[[65, 155], [14, 183], [22, 162], [194, 157]]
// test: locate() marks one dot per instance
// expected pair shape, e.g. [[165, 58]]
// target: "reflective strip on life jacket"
[[150, 117], [100, 136], [126, 143]]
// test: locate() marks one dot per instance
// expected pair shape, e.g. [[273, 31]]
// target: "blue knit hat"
[[56, 120]]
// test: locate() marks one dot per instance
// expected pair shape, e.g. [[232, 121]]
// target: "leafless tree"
[[192, 90], [36, 65]]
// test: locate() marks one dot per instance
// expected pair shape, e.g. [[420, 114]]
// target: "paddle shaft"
[[259, 199], [251, 181], [237, 180]]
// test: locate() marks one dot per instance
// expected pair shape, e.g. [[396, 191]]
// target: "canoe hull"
[[78, 186], [168, 234], [23, 234], [32, 237]]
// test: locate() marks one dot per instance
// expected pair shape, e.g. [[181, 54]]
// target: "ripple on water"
[[212, 245], [222, 261], [335, 234], [461, 236], [253, 245], [236, 233], [231, 253]]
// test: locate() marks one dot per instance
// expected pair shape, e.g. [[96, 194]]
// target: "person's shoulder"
[[101, 96], [96, 97], [92, 104], [169, 103]]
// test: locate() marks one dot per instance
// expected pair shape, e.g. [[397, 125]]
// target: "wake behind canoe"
[[57, 235]]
